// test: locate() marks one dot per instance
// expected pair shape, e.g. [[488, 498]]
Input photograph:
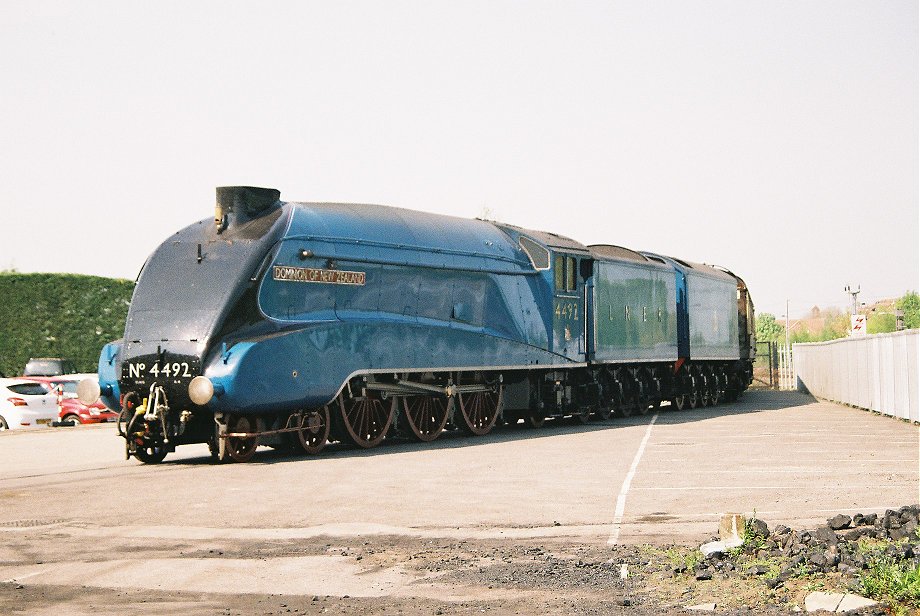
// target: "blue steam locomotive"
[[293, 324]]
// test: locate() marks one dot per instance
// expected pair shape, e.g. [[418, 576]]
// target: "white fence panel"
[[880, 372]]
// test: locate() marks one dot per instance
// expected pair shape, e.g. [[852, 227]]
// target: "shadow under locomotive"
[[756, 402], [295, 325]]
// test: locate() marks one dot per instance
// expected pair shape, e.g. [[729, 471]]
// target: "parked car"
[[48, 366], [71, 409], [25, 403]]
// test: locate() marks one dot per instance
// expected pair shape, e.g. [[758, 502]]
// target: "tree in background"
[[836, 325], [768, 329], [59, 315], [910, 304], [881, 323]]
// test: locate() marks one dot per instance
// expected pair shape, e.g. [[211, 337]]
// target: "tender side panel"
[[635, 312], [713, 309]]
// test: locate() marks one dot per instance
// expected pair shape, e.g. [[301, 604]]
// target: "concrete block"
[[827, 601], [854, 602], [731, 526], [703, 607]]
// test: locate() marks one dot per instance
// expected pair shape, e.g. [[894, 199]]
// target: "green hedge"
[[59, 315]]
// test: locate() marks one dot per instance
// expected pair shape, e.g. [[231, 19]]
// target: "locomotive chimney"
[[240, 204]]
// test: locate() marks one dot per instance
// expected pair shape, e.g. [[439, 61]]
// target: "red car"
[[71, 409]]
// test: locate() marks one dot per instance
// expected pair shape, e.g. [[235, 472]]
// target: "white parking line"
[[804, 471], [727, 488], [621, 499], [26, 576]]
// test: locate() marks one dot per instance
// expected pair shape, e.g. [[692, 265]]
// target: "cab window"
[[565, 273]]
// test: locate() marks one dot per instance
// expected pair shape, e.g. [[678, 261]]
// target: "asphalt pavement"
[[662, 478]]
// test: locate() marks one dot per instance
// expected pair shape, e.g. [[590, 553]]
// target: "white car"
[[25, 403]]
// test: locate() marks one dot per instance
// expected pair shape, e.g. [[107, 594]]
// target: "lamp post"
[[787, 323], [848, 289], [787, 351]]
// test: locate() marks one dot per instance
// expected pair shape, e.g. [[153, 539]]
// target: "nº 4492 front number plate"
[[169, 370], [150, 369]]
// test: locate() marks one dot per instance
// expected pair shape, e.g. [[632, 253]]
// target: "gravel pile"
[[783, 553]]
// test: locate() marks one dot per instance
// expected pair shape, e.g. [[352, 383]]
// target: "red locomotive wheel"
[[241, 448], [314, 431], [479, 411], [366, 419], [426, 416]]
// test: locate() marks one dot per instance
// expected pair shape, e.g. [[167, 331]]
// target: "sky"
[[778, 139]]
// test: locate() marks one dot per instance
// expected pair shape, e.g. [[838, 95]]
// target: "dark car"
[[49, 366]]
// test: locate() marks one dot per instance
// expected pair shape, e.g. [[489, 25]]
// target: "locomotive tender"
[[292, 324]]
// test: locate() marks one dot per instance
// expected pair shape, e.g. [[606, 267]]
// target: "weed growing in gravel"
[[898, 583], [814, 585], [800, 571], [751, 538], [871, 548], [683, 558]]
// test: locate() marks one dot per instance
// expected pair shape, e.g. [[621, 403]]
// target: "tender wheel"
[[426, 415], [603, 413], [694, 395], [730, 396], [534, 419], [630, 404], [479, 410], [705, 398], [315, 431], [3, 424], [716, 396], [642, 404], [73, 419], [153, 454], [679, 402], [583, 415], [366, 419], [241, 448]]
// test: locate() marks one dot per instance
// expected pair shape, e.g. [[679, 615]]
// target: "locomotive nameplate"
[[327, 276]]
